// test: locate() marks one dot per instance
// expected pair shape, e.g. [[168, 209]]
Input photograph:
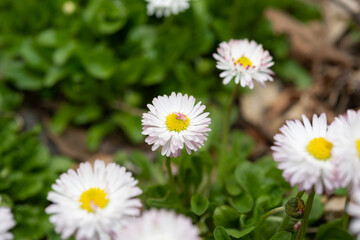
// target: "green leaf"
[[133, 68], [113, 18], [243, 203], [239, 233], [282, 236], [22, 78], [333, 231], [242, 144], [190, 172], [96, 133], [53, 75], [9, 99], [6, 201], [231, 185], [249, 176], [199, 204], [341, 191], [60, 164], [26, 227], [62, 118], [51, 38], [32, 56], [154, 74], [26, 187], [62, 54], [292, 71], [169, 200], [317, 209], [143, 166], [105, 17], [221, 234], [87, 114], [275, 194], [226, 216], [99, 62], [130, 124]]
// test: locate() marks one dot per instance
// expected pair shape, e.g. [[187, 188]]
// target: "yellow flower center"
[[358, 147], [177, 122], [244, 61], [93, 199], [320, 148]]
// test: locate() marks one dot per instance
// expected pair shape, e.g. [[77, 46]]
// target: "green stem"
[[222, 158], [287, 218], [263, 217], [304, 221], [345, 216], [168, 167]]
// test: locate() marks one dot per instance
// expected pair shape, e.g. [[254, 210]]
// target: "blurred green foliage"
[[90, 55], [26, 173]]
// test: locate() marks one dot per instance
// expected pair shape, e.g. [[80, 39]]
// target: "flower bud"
[[295, 208], [297, 226]]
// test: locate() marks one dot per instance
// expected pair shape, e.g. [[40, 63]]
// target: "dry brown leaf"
[[71, 143], [307, 45], [336, 18], [334, 207]]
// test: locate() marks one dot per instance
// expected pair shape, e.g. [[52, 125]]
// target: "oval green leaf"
[[199, 204]]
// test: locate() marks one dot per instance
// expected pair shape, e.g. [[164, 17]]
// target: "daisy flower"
[[165, 8], [174, 121], [6, 223], [344, 132], [160, 224], [353, 209], [244, 60], [304, 153], [94, 202]]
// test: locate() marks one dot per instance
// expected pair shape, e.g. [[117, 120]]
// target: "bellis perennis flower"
[[160, 224], [344, 132], [245, 61], [174, 122], [304, 153], [93, 202], [6, 223], [165, 8]]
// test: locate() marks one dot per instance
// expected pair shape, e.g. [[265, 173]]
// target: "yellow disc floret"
[[358, 147], [320, 148], [244, 61], [177, 122], [93, 199]]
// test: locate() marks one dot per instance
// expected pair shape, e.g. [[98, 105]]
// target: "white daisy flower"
[[304, 153], [344, 132], [93, 202], [244, 60], [174, 121], [165, 8], [160, 224], [353, 209], [6, 223]]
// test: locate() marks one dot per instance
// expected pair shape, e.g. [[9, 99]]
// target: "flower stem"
[[304, 221], [168, 167], [222, 159], [287, 218], [345, 216], [263, 217]]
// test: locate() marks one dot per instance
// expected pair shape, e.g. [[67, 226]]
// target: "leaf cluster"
[[107, 58]]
